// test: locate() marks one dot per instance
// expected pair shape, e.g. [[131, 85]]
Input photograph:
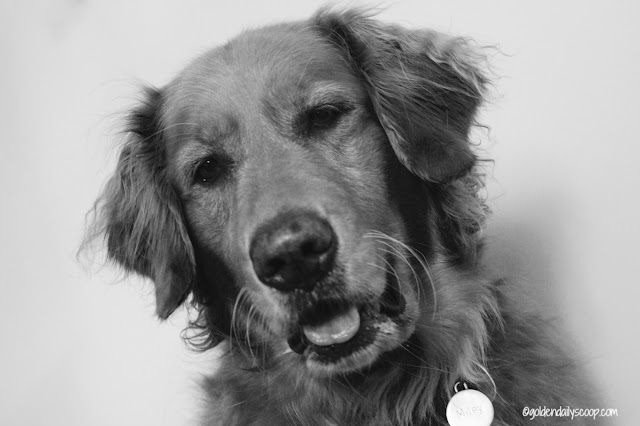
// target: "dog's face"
[[281, 166], [285, 180]]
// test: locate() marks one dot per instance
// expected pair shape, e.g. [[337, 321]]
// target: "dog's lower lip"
[[342, 327]]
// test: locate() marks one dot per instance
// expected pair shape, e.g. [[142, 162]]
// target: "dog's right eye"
[[208, 171]]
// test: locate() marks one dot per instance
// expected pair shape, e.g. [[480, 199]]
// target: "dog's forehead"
[[277, 65]]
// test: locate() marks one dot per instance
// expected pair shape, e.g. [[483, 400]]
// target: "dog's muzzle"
[[295, 253]]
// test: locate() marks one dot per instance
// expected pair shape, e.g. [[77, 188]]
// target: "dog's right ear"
[[141, 215]]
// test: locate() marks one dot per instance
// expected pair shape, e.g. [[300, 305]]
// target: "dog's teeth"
[[337, 330]]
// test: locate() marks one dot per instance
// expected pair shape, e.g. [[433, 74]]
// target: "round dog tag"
[[470, 408]]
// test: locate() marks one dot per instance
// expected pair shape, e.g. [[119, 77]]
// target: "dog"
[[309, 190]]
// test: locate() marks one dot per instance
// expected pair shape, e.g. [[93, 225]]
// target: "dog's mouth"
[[338, 332]]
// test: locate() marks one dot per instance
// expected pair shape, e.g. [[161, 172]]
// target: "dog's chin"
[[346, 338]]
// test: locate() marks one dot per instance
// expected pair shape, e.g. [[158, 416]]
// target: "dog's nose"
[[294, 250]]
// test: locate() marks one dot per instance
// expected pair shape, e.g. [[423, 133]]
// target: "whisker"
[[493, 383], [233, 331], [151, 136], [247, 333], [394, 251], [416, 254]]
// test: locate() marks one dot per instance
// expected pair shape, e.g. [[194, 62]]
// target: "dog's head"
[[297, 181]]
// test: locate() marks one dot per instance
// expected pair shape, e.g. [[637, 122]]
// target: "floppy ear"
[[425, 88], [142, 216]]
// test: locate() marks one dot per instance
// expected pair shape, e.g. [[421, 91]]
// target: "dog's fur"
[[345, 128]]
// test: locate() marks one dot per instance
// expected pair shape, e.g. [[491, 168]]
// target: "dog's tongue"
[[337, 330]]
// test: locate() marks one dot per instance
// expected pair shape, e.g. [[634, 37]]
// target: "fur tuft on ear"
[[424, 86], [141, 215]]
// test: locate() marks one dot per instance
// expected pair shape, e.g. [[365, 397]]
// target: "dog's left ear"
[[425, 88]]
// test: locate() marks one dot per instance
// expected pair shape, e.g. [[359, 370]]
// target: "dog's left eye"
[[324, 116]]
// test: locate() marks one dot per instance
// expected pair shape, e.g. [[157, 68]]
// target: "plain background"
[[81, 348]]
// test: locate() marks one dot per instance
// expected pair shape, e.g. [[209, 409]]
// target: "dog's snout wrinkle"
[[293, 251]]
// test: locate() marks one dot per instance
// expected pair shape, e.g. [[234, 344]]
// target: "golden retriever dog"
[[310, 191]]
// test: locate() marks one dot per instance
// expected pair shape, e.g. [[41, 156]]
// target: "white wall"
[[81, 349]]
